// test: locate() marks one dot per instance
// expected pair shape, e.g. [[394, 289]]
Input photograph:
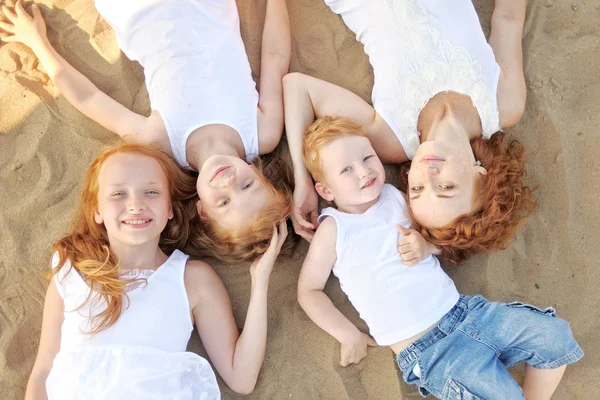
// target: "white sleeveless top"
[[419, 48], [195, 65], [142, 355], [395, 301]]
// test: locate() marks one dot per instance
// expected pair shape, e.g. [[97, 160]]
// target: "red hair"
[[503, 203], [209, 239], [87, 247]]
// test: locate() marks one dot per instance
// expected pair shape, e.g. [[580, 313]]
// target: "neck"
[[144, 256], [453, 110], [358, 208], [213, 140]]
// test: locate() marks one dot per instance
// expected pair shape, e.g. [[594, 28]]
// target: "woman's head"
[[239, 204], [469, 208], [132, 194]]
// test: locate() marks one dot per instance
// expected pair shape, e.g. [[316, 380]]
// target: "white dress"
[[195, 65], [142, 356], [419, 48]]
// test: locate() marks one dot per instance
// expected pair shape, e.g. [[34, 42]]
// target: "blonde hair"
[[322, 132], [87, 247], [209, 239]]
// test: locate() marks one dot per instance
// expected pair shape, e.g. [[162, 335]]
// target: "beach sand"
[[46, 146]]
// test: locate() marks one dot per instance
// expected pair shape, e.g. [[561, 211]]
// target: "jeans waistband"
[[448, 323]]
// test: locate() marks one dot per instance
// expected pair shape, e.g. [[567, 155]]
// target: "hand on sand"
[[413, 247], [306, 208], [354, 351], [29, 30], [261, 268]]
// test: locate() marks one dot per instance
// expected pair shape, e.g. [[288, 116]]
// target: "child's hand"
[[24, 28], [413, 247], [354, 351], [261, 268], [306, 203]]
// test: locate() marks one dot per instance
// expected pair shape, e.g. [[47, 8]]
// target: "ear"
[[98, 218], [480, 170], [199, 209], [171, 215], [324, 191]]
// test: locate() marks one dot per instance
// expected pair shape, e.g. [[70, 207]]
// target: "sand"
[[46, 145]]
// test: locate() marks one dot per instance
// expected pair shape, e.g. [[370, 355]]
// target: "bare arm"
[[315, 270], [506, 41], [237, 357], [305, 98], [73, 85], [49, 344], [274, 64]]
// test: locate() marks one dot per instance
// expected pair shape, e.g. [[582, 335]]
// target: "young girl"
[[119, 311], [206, 111], [440, 92], [452, 346]]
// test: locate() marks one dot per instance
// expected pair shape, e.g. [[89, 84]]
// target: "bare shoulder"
[[325, 237], [200, 280]]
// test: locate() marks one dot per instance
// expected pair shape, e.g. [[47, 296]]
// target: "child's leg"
[[540, 384]]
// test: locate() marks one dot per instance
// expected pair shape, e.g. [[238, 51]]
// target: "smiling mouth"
[[431, 159], [218, 172], [369, 183], [137, 222]]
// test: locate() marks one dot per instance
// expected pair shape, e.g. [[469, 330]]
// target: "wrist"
[[39, 44], [350, 336]]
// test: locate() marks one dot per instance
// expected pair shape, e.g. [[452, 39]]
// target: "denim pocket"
[[455, 391], [543, 311]]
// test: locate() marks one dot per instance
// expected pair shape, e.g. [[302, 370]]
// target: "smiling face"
[[231, 191], [353, 174], [133, 199], [441, 182]]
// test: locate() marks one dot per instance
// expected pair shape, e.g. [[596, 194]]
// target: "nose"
[[227, 181], [432, 170], [136, 204], [363, 172]]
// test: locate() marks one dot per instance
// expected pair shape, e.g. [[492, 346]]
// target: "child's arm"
[[75, 87], [49, 344], [274, 64], [413, 247], [313, 277], [305, 98], [506, 40], [236, 357]]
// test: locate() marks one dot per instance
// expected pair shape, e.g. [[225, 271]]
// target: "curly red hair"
[[503, 203]]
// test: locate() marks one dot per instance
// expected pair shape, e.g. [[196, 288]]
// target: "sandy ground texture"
[[46, 145]]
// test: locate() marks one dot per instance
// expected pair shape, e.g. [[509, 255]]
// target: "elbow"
[[244, 389], [292, 80]]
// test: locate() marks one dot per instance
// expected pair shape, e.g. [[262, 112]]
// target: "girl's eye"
[[416, 188], [248, 185], [117, 194], [367, 157], [152, 192], [224, 202], [347, 169], [446, 187]]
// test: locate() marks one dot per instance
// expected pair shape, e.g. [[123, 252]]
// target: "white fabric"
[[419, 48], [195, 64], [147, 343], [130, 373], [395, 301]]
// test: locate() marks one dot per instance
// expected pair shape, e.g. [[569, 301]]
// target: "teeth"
[[135, 221]]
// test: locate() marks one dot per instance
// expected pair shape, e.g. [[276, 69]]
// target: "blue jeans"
[[466, 355]]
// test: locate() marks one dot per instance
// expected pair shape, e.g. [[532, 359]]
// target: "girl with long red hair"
[[123, 301], [206, 110]]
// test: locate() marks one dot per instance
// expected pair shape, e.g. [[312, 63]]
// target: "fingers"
[[19, 8], [9, 39], [403, 230], [283, 232], [301, 220], [12, 17], [301, 231], [371, 342], [35, 10], [313, 218], [6, 27]]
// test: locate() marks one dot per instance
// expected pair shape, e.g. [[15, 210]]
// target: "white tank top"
[[195, 65], [419, 48], [157, 316], [394, 300]]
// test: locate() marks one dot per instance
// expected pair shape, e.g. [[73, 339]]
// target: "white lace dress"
[[142, 356], [419, 48]]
